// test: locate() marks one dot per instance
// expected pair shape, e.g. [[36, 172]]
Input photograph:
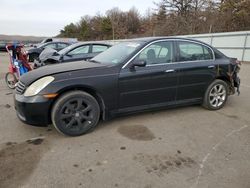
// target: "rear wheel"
[[10, 80], [75, 113], [216, 95]]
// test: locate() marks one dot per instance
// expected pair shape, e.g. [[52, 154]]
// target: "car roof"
[[152, 39], [47, 43], [90, 42], [75, 45]]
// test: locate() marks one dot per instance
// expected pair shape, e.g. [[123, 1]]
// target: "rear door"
[[152, 85], [197, 69]]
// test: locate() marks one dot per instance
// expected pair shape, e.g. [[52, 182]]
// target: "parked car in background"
[[35, 52], [69, 40], [46, 40], [138, 75], [3, 46], [74, 52]]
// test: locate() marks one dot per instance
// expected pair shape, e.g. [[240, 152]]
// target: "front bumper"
[[33, 110]]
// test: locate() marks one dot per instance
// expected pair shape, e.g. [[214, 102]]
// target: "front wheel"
[[216, 95], [10, 80], [75, 113]]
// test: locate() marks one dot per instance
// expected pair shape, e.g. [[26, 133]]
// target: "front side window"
[[79, 50], [157, 53], [99, 48], [189, 51]]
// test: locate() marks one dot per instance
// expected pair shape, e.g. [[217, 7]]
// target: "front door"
[[152, 85]]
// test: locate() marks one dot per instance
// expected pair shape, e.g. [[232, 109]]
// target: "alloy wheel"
[[76, 114], [217, 95]]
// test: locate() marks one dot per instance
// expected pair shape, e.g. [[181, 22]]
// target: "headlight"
[[38, 85]]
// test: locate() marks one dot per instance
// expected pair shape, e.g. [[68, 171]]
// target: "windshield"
[[118, 53]]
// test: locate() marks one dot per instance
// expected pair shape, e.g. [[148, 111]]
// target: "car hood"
[[33, 75], [48, 53]]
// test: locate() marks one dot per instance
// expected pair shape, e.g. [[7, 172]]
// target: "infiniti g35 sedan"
[[133, 76]]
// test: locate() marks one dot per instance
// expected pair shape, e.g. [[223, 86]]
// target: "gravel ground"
[[184, 147]]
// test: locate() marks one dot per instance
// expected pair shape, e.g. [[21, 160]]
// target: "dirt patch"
[[136, 132], [5, 106], [123, 148], [37, 141], [164, 164], [229, 116], [19, 160]]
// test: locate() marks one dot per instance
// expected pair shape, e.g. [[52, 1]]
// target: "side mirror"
[[138, 63]]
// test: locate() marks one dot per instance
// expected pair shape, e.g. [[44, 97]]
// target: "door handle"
[[211, 67], [170, 70]]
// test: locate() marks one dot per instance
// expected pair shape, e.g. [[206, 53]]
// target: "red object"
[[18, 53], [12, 69]]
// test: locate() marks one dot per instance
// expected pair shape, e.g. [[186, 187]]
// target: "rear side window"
[[189, 51], [80, 50], [99, 48]]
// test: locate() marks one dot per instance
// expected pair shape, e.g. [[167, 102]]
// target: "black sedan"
[[139, 75], [74, 52], [36, 51]]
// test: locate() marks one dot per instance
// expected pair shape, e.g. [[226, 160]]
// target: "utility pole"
[[210, 28], [113, 30]]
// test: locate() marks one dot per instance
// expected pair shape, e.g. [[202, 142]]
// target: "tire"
[[33, 56], [216, 95], [75, 113], [10, 80]]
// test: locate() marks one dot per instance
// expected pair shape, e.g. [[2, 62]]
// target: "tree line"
[[168, 17]]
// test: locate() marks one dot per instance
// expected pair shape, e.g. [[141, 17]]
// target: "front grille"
[[20, 88]]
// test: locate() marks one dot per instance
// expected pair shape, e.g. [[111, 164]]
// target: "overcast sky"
[[48, 17]]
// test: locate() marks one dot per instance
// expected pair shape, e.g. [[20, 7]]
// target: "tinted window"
[[99, 48], [157, 53], [79, 50], [192, 52]]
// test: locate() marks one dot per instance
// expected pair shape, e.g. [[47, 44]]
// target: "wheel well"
[[90, 91], [34, 53], [225, 79]]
